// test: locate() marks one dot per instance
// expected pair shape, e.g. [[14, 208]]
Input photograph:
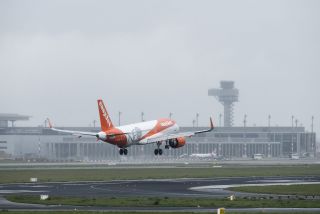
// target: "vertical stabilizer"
[[104, 117]]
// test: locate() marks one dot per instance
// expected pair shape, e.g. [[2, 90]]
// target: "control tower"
[[226, 95]]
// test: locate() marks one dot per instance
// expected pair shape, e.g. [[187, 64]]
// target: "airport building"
[[225, 142]]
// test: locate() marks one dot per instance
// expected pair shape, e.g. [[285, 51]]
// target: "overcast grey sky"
[[58, 57]]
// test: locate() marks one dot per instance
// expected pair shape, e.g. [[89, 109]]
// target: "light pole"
[[193, 122], [94, 123], [119, 114], [269, 119], [197, 118], [39, 148], [142, 115], [245, 120], [292, 118], [312, 138], [170, 115]]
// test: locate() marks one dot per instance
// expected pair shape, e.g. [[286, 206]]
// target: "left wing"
[[176, 135], [77, 133], [80, 133]]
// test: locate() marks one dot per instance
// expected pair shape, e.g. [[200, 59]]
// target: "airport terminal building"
[[226, 142]]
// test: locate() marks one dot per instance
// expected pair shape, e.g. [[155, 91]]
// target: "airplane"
[[154, 131], [203, 155]]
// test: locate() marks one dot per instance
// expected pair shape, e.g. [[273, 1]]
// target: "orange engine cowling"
[[177, 142]]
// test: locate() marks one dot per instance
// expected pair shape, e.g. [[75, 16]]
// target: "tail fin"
[[104, 117], [50, 124]]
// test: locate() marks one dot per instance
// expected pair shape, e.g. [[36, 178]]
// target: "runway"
[[151, 187], [213, 188]]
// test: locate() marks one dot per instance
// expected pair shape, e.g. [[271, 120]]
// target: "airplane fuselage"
[[138, 133]]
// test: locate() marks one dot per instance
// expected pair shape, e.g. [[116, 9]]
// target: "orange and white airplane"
[[154, 131]]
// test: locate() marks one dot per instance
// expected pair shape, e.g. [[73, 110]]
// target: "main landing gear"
[[123, 151], [158, 151]]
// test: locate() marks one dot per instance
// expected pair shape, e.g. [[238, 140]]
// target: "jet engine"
[[102, 136], [177, 142]]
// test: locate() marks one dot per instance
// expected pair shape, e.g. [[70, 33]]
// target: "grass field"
[[165, 202], [88, 212], [307, 189], [47, 175]]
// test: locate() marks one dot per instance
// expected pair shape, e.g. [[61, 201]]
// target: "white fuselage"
[[206, 155], [139, 133]]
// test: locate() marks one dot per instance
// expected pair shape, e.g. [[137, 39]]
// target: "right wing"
[[177, 135]]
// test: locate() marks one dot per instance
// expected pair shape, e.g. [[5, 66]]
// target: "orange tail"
[[104, 117]]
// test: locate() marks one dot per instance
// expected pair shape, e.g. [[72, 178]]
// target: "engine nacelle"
[[177, 142], [102, 136]]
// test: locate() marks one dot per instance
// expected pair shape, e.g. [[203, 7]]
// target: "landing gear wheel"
[[125, 151], [160, 151], [156, 151], [121, 151], [166, 146]]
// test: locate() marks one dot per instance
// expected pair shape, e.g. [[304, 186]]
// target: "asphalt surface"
[[152, 188]]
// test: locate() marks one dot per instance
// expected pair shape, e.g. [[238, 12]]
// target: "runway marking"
[[19, 191], [133, 190], [275, 181], [34, 186], [74, 184], [203, 188]]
